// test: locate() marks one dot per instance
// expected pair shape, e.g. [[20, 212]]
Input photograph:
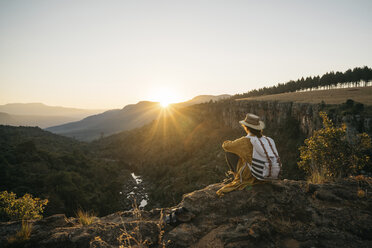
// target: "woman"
[[244, 149]]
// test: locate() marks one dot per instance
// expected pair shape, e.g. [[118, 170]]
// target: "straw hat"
[[253, 121]]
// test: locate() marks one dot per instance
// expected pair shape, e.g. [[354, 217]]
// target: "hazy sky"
[[106, 54]]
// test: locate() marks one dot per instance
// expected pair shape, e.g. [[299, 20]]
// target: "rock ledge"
[[278, 214]]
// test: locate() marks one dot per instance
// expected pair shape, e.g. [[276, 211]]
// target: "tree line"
[[359, 76]]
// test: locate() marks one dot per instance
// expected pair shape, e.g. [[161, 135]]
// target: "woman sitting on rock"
[[258, 157]]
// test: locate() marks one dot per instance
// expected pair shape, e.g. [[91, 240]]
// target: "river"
[[136, 192]]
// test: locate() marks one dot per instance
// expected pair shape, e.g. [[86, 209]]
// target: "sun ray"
[[165, 96], [174, 116]]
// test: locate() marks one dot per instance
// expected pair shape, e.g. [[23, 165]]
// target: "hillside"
[[63, 170], [117, 120], [284, 214], [332, 96], [110, 122]]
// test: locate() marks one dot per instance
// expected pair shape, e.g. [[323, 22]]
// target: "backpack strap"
[[276, 155], [267, 156]]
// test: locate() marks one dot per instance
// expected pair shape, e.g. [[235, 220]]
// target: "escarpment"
[[280, 114], [278, 214]]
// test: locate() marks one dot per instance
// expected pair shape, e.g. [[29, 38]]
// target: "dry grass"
[[333, 96], [134, 237], [363, 185], [361, 193], [22, 235], [317, 177], [85, 218], [127, 238]]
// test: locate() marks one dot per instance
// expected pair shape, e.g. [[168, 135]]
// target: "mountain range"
[[39, 114], [117, 120]]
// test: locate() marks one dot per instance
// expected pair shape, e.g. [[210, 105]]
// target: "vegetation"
[[64, 171], [24, 208], [21, 236], [350, 107], [134, 237], [330, 153], [85, 218], [329, 80]]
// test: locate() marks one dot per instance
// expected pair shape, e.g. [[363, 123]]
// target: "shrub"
[[22, 235], [85, 218], [24, 208], [330, 153]]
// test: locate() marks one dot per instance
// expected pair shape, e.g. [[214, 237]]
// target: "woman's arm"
[[241, 147]]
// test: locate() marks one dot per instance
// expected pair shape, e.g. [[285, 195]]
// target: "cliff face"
[[275, 114], [278, 114], [278, 214]]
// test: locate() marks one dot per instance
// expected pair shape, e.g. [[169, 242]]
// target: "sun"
[[164, 96], [164, 103]]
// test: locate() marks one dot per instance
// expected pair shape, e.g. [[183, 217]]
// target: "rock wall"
[[277, 114], [274, 114]]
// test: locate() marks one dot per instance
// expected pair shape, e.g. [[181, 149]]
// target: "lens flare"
[[164, 96], [164, 103]]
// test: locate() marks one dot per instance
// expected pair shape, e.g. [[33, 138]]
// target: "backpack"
[[266, 163]]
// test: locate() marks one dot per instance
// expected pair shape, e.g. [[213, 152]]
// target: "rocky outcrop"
[[279, 114], [278, 214]]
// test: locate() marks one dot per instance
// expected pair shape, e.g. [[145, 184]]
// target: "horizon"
[[95, 55], [105, 109]]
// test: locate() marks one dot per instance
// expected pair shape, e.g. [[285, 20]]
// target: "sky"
[[107, 54]]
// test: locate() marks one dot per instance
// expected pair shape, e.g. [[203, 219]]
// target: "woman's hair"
[[255, 132]]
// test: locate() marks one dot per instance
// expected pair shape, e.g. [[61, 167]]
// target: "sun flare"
[[164, 103], [164, 96]]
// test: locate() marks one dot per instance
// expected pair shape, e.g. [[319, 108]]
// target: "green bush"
[[330, 153], [24, 208]]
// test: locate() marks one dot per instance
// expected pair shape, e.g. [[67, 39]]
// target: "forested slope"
[[60, 169]]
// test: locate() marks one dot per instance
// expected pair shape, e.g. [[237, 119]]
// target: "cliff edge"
[[279, 214]]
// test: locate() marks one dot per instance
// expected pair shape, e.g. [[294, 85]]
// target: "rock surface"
[[276, 114], [278, 214]]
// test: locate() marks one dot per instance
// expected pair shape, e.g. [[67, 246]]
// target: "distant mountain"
[[38, 114], [34, 120], [41, 109], [110, 122], [117, 120]]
